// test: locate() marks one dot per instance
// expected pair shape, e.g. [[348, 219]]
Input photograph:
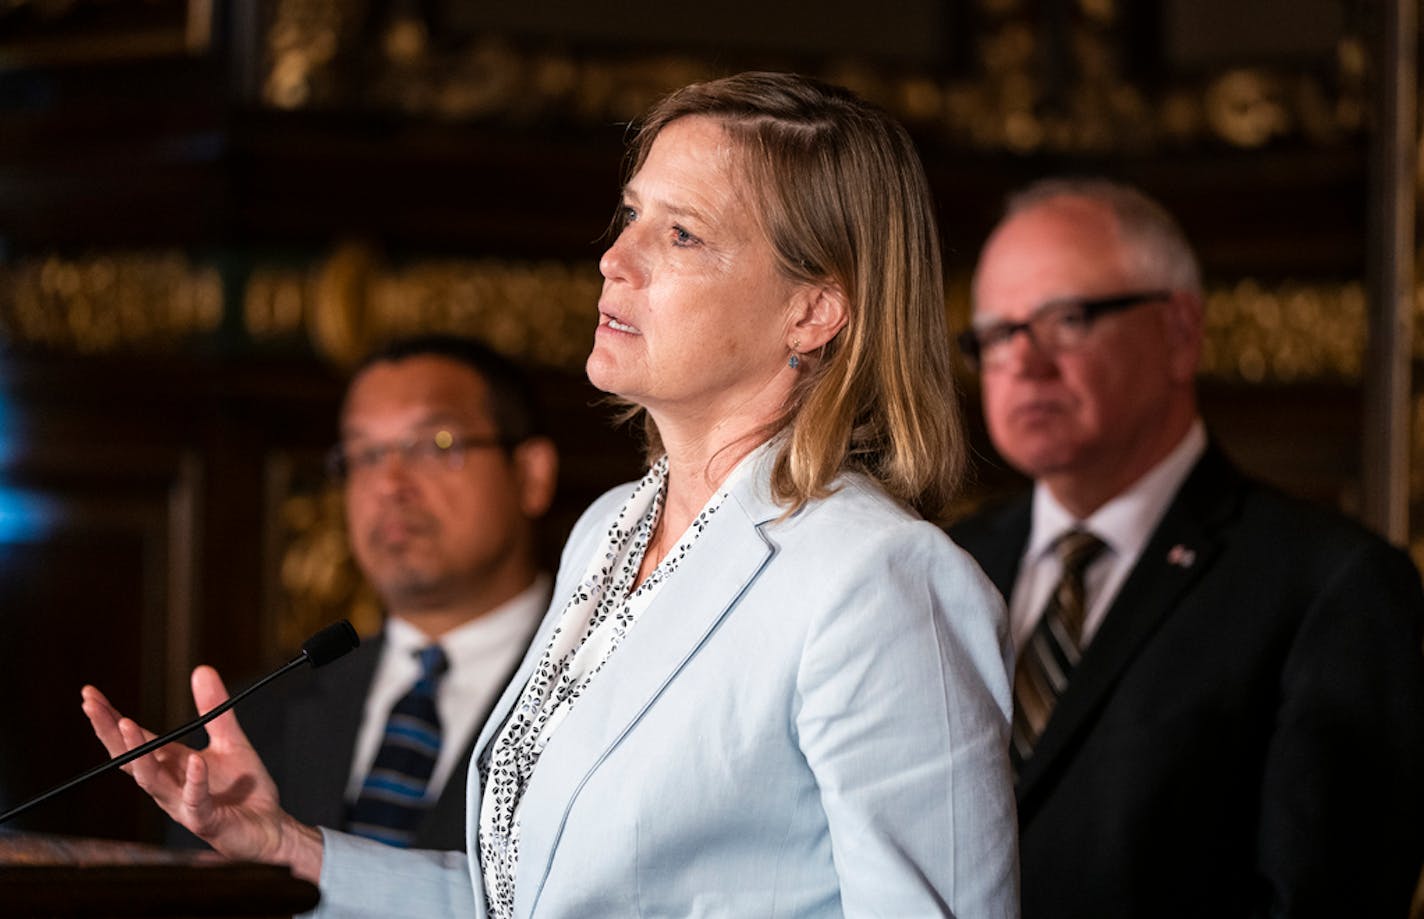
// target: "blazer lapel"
[[730, 553], [1180, 551], [497, 715]]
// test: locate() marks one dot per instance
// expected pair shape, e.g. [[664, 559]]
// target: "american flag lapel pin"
[[1181, 556]]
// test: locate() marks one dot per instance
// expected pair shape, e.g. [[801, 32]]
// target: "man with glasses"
[[1219, 698], [444, 470]]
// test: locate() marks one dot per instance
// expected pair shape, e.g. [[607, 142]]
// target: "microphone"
[[319, 650]]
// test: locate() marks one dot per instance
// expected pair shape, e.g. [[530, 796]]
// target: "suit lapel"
[[729, 554], [321, 729], [1179, 552], [1000, 546]]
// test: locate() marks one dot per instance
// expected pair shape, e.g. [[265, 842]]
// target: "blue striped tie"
[[392, 798]]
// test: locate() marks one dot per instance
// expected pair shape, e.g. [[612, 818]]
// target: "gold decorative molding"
[[1286, 333], [300, 46], [541, 312], [1416, 469], [1007, 102], [317, 576], [108, 302], [544, 312], [1416, 489], [63, 32]]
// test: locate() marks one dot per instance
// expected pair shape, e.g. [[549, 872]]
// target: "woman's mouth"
[[617, 326]]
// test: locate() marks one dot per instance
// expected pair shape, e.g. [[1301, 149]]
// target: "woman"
[[766, 686]]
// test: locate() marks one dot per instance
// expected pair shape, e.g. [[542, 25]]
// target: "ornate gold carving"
[[1247, 107], [318, 577], [1416, 496], [302, 39], [1416, 469], [274, 303], [542, 312], [108, 302], [67, 32], [1288, 333], [1012, 103], [342, 326]]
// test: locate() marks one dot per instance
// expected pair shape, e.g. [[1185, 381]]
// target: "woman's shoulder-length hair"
[[843, 198]]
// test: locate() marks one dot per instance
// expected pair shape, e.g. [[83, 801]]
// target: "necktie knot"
[[433, 664], [1076, 551]]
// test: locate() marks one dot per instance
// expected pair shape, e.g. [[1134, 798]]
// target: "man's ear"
[[1185, 327], [536, 470], [819, 312]]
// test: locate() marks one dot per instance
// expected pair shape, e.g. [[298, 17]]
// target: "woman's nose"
[[620, 261]]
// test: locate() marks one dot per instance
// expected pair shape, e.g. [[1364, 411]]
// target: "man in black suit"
[[1219, 705], [444, 472]]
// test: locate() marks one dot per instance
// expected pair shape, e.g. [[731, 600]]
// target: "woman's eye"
[[626, 215], [681, 237]]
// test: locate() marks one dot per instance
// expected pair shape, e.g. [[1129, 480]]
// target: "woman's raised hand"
[[223, 795]]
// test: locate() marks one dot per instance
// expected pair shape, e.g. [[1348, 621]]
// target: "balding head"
[[1087, 402]]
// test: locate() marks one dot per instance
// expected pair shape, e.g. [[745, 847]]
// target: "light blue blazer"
[[809, 720]]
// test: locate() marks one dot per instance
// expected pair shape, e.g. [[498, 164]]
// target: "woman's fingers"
[[104, 719], [145, 769], [208, 693], [197, 798]]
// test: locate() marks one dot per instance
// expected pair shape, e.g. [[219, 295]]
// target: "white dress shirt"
[[482, 653], [1125, 524]]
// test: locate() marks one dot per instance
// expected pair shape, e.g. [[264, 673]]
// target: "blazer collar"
[[674, 627], [1179, 552]]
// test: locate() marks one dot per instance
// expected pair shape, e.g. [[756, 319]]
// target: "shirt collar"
[[503, 625], [1126, 522]]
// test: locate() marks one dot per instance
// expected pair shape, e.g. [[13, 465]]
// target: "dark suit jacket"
[[306, 735], [1245, 734]]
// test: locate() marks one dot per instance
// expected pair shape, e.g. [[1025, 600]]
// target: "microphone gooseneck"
[[319, 650]]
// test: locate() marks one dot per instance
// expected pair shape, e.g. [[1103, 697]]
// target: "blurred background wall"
[[209, 209]]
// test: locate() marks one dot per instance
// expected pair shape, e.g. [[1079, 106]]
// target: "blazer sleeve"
[[903, 717], [362, 879], [1342, 798]]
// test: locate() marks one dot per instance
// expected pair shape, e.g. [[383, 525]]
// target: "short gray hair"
[[1158, 248]]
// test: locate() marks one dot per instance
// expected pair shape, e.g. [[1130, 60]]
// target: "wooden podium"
[[53, 876]]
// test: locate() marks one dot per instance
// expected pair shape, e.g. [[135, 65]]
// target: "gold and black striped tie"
[[1048, 658]]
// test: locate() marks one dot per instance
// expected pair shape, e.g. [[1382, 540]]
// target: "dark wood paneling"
[[84, 597]]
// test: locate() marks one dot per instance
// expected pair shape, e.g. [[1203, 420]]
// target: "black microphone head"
[[330, 643]]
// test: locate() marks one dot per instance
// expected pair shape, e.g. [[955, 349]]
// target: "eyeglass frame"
[[1089, 308], [338, 468]]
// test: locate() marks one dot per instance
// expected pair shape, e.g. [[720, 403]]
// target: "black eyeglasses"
[[1055, 327], [422, 453]]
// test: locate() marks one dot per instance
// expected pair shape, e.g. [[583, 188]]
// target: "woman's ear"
[[819, 312]]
